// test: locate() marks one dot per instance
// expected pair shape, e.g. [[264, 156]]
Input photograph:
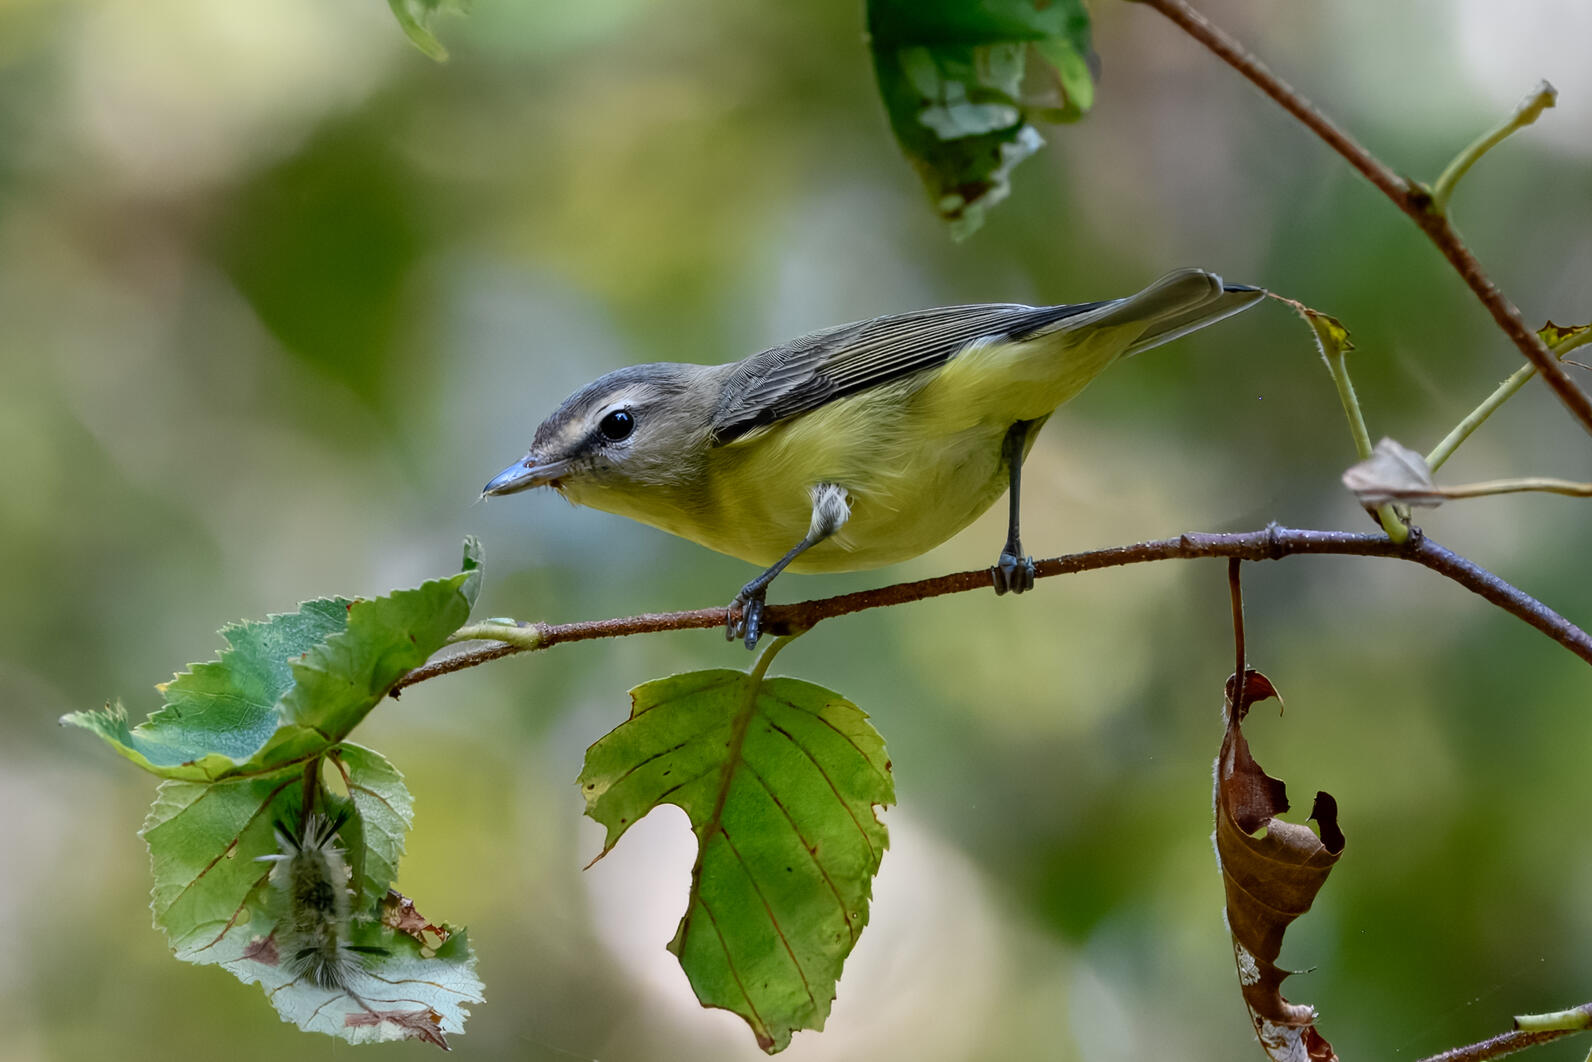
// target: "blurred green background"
[[278, 294]]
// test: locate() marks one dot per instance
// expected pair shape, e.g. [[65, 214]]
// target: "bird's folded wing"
[[802, 375]]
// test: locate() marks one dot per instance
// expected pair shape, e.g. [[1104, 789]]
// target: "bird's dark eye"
[[617, 425]]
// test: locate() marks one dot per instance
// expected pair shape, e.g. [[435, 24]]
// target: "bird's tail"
[[1179, 303]]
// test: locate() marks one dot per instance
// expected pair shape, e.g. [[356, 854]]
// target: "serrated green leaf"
[[964, 82], [338, 681], [415, 17], [213, 898], [780, 779], [219, 714], [384, 812], [205, 840], [289, 688]]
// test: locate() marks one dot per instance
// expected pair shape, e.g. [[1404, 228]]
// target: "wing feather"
[[806, 373]]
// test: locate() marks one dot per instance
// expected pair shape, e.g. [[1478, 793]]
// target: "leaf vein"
[[809, 849], [863, 833], [729, 964], [229, 845], [773, 919]]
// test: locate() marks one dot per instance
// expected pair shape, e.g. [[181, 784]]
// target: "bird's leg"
[[1014, 571], [831, 509]]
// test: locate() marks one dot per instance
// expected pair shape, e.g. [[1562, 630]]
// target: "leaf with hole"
[[780, 779], [1271, 871]]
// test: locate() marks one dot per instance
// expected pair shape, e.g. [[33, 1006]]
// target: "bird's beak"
[[525, 475]]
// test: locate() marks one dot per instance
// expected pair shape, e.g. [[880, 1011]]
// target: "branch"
[[1271, 543], [1411, 198], [1529, 1031]]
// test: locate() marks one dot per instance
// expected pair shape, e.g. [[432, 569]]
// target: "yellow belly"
[[913, 499]]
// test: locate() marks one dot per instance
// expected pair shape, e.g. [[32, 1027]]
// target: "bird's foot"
[[745, 620], [1013, 572]]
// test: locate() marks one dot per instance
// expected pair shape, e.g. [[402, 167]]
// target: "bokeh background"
[[278, 294]]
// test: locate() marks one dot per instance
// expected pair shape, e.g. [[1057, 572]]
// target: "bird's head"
[[635, 431]]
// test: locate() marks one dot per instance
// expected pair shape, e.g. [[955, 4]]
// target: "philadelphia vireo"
[[855, 446]]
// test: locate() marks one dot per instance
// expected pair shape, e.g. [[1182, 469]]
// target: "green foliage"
[[964, 83], [415, 16], [383, 813], [780, 779], [241, 742], [219, 715], [290, 688]]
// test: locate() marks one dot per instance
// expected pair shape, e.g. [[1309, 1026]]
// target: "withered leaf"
[[1271, 872], [1393, 472], [398, 912], [424, 1024]]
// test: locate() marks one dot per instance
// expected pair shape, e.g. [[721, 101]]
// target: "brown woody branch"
[[1411, 197], [1271, 543], [1505, 1044]]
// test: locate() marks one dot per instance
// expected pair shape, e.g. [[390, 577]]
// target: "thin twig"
[[1235, 595], [1432, 495], [1529, 110], [1476, 417], [1271, 543], [1498, 1046], [1409, 197]]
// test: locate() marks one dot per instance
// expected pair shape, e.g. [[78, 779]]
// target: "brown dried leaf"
[[424, 1024], [398, 912], [1271, 871]]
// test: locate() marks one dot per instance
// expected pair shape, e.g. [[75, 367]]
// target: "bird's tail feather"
[[1179, 303]]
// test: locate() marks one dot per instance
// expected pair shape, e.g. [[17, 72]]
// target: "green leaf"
[[780, 779], [963, 83], [288, 688], [205, 840], [338, 681], [383, 814], [415, 17], [213, 898], [219, 714]]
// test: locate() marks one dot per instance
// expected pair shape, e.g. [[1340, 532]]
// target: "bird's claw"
[[1013, 572], [745, 619]]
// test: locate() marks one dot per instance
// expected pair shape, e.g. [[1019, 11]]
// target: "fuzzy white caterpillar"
[[311, 879]]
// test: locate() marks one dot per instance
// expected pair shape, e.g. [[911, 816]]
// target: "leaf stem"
[[1504, 391], [1412, 199], [1576, 1019], [1235, 595], [1520, 484], [1393, 522], [520, 636], [766, 657], [1270, 543], [1531, 1030], [1527, 112]]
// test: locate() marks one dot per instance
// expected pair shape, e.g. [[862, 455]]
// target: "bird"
[[855, 446]]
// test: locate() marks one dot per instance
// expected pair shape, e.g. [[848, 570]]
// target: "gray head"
[[636, 428]]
